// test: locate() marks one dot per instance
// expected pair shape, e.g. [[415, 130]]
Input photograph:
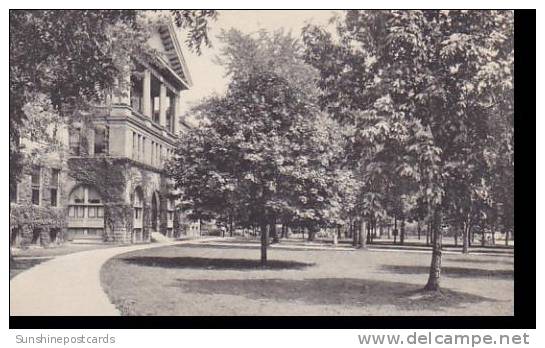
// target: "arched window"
[[85, 213]]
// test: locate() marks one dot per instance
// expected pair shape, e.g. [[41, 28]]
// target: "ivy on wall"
[[36, 216]]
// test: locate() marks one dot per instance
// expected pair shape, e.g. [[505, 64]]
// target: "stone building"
[[108, 182]]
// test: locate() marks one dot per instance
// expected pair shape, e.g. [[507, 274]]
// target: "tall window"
[[101, 139], [156, 109], [134, 146], [139, 146], [152, 152], [35, 182], [160, 155], [54, 186], [74, 141], [143, 154]]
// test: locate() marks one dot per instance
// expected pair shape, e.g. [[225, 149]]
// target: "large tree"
[[263, 151], [64, 60], [431, 82]]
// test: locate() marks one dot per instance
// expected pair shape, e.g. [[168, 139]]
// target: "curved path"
[[68, 285]]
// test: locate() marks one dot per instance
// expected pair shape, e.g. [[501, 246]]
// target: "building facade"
[[107, 183]]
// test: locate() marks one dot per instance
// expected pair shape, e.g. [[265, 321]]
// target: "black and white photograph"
[[262, 163]]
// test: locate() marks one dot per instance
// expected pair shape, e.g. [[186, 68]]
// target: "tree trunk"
[[354, 233], [428, 234], [264, 244], [506, 237], [465, 236], [418, 228], [361, 241], [311, 233], [339, 232], [231, 228], [435, 267], [402, 232]]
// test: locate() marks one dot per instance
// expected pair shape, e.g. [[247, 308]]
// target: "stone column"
[[163, 106], [146, 93], [177, 112]]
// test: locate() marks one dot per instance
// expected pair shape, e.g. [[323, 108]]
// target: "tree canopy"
[[64, 60]]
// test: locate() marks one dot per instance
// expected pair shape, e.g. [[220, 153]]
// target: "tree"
[[263, 150], [65, 60], [429, 82]]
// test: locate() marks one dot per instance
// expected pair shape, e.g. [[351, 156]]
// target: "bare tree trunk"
[[264, 243], [506, 237], [419, 228], [395, 229], [402, 232], [361, 241], [435, 267], [231, 225], [428, 234], [465, 236]]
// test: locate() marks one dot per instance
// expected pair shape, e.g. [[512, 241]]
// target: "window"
[[139, 146], [156, 109], [134, 145], [152, 152], [35, 181], [143, 154], [74, 142], [54, 187], [101, 139], [85, 211], [54, 194], [170, 111], [160, 154]]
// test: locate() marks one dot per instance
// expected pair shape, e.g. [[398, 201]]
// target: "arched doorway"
[[85, 214], [138, 215], [155, 212]]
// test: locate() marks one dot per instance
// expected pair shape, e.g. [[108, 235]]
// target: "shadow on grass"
[[454, 272], [212, 263], [333, 291]]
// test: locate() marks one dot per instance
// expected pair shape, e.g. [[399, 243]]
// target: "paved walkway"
[[68, 284]]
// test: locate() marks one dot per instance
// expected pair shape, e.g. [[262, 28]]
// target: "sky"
[[209, 77]]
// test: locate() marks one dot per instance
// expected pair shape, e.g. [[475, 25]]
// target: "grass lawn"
[[227, 280]]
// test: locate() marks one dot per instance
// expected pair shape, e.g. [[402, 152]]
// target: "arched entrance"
[[85, 214], [138, 215], [155, 212]]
